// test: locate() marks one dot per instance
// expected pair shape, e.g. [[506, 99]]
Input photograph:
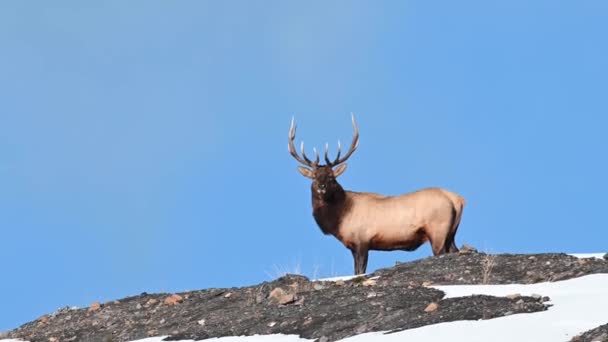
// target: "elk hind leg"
[[453, 248], [438, 247], [452, 237], [440, 240]]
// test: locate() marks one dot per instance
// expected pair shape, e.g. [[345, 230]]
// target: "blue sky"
[[143, 145]]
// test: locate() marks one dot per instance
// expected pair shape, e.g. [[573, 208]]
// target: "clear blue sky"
[[143, 144]]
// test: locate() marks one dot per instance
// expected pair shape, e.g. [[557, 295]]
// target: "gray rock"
[[598, 334], [399, 303], [467, 249]]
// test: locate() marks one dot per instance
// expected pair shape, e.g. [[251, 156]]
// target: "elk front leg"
[[360, 256]]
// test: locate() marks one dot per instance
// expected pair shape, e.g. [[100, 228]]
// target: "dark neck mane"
[[328, 211]]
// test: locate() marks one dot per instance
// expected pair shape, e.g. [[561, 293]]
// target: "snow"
[[255, 338], [588, 255], [578, 305], [345, 278]]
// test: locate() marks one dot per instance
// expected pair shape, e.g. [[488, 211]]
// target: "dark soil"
[[391, 299], [599, 334]]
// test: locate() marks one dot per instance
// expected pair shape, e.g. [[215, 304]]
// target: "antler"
[[292, 149], [304, 159], [353, 146]]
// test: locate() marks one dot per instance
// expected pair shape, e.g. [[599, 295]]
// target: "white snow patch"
[[254, 338], [344, 278], [588, 255], [578, 306]]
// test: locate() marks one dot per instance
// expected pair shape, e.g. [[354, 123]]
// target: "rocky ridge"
[[390, 300]]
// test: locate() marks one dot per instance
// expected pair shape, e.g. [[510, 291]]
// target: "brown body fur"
[[365, 221], [370, 221]]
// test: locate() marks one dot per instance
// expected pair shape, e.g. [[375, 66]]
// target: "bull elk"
[[365, 221]]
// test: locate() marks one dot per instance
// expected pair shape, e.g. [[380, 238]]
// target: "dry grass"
[[487, 264], [318, 270], [278, 271]]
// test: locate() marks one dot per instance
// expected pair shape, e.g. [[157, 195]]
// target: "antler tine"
[[353, 145], [338, 155], [316, 155], [327, 161], [308, 161], [292, 149]]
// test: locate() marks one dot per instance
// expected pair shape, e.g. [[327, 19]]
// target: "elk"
[[365, 221]]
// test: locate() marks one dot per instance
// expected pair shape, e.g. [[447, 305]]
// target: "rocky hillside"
[[390, 299]]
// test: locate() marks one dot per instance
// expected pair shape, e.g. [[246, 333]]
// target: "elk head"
[[323, 176]]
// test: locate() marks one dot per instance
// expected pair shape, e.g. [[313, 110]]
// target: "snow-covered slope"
[[578, 305]]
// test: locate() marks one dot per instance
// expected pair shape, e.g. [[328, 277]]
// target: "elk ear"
[[339, 170], [306, 172]]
